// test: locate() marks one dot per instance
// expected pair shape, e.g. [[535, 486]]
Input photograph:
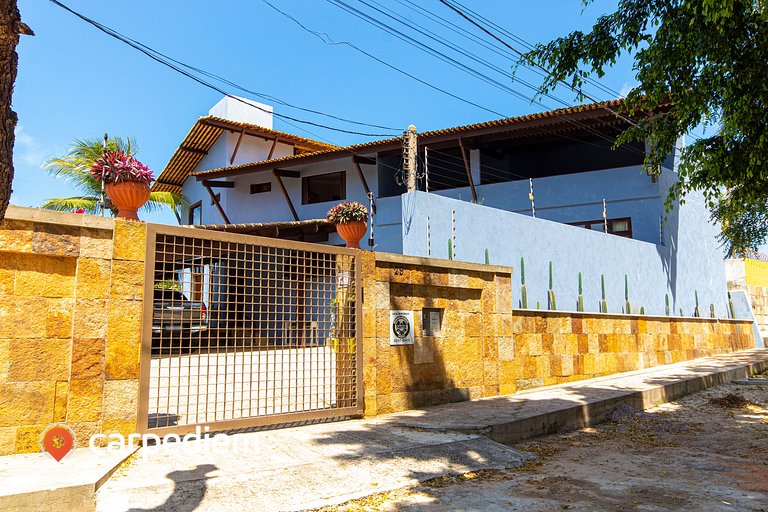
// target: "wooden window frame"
[[266, 186], [587, 224], [191, 217], [305, 187]]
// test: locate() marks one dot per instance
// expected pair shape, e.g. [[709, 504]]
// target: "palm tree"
[[74, 167]]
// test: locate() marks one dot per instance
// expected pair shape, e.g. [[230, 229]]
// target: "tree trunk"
[[10, 22]]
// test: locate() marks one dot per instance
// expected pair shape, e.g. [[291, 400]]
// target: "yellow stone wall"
[[486, 349], [71, 291]]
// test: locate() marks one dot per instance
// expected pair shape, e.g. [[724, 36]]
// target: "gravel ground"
[[707, 451]]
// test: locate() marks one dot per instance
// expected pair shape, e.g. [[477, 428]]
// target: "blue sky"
[[76, 82]]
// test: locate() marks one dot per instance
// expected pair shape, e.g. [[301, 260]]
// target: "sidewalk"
[[311, 466]]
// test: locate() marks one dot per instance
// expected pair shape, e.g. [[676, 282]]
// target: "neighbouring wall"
[[485, 348], [751, 277], [71, 291], [688, 263]]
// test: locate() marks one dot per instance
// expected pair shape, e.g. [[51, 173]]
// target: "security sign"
[[401, 327]]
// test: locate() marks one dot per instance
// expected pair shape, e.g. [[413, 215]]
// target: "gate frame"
[[145, 357]]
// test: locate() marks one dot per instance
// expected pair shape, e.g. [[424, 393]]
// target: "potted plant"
[[351, 220], [126, 179]]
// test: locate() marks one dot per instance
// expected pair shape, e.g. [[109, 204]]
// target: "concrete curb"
[[515, 418], [33, 482]]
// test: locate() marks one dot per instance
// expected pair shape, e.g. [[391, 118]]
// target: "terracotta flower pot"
[[352, 232], [128, 196]]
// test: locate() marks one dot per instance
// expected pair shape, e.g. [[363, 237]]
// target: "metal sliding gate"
[[245, 331]]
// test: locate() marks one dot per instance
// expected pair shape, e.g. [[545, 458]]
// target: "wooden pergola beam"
[[193, 150], [285, 194], [357, 161], [284, 173], [216, 203], [237, 146], [468, 169], [219, 184]]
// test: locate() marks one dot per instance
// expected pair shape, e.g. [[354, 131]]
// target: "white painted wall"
[[244, 111]]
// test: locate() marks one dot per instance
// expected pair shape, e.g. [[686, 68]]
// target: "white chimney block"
[[243, 111]]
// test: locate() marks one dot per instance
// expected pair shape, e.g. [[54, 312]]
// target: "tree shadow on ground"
[[188, 491]]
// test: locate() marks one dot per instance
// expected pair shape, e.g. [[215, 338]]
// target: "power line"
[[328, 40], [459, 65], [168, 62]]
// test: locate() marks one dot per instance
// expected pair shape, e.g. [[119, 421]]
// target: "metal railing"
[[247, 331]]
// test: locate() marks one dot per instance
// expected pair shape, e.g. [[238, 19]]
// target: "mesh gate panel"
[[247, 331]]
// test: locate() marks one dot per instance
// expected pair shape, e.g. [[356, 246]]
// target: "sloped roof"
[[562, 115], [204, 134]]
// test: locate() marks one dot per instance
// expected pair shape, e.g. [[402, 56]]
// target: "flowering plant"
[[351, 211], [118, 166]]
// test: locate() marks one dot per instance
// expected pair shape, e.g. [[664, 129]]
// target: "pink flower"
[[117, 166]]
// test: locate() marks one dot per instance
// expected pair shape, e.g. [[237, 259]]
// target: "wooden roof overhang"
[[204, 134], [569, 122]]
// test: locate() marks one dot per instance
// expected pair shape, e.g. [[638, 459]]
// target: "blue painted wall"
[[689, 260]]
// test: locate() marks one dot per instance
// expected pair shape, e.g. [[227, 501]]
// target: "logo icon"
[[58, 441], [401, 327]]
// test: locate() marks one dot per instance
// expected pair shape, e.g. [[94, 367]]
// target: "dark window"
[[218, 199], [196, 213], [258, 188], [620, 227], [322, 188]]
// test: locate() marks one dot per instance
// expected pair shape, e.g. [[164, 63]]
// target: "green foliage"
[[450, 249], [627, 305], [487, 257], [551, 302], [712, 311], [642, 310], [523, 291], [580, 301], [603, 302], [666, 303], [696, 310], [697, 62], [74, 168]]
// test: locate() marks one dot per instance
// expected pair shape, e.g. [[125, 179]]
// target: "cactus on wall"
[[487, 258], [603, 302], [730, 306], [696, 309], [712, 311], [523, 292], [642, 310], [538, 305], [666, 303], [450, 249], [681, 312], [627, 305], [551, 304], [580, 301]]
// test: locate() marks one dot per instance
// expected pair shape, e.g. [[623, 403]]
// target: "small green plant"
[[603, 302], [642, 310], [627, 305], [450, 249], [730, 305], [712, 311], [580, 301], [681, 312], [552, 305], [666, 303], [696, 309], [538, 305], [523, 293], [487, 258]]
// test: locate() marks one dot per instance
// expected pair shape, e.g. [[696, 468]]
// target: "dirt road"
[[707, 451]]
